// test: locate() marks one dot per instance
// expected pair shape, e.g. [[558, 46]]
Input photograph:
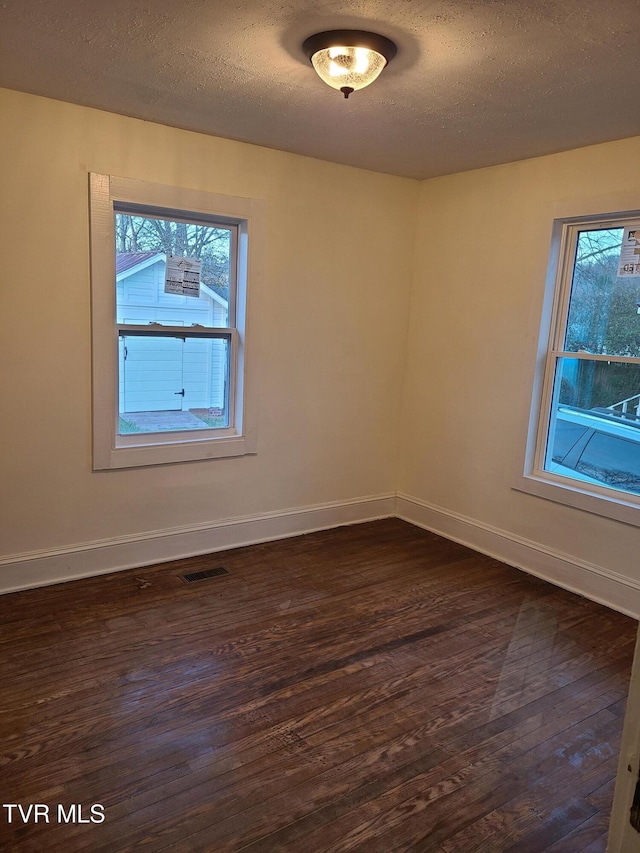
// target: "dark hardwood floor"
[[371, 688]]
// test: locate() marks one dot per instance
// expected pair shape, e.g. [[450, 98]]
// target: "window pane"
[[168, 384], [567, 434], [599, 385], [603, 314], [150, 288], [594, 433], [613, 460]]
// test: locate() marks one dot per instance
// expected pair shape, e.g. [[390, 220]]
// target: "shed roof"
[[128, 260]]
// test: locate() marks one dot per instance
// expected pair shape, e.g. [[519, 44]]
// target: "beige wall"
[[330, 334], [483, 242], [330, 329]]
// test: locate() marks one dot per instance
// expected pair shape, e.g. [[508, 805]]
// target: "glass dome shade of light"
[[352, 67], [348, 60]]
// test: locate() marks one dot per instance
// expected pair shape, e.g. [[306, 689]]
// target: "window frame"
[[532, 476], [109, 195]]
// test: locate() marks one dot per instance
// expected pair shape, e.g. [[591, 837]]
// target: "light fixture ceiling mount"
[[349, 59]]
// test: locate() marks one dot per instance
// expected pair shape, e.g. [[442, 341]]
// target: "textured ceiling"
[[475, 82]]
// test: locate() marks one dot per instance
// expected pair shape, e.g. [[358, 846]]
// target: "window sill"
[[186, 450], [603, 502]]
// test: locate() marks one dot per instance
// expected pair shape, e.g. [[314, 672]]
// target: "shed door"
[[151, 374]]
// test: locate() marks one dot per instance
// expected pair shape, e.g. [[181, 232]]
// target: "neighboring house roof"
[[128, 262]]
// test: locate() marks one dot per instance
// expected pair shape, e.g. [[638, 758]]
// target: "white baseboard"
[[41, 568], [599, 584]]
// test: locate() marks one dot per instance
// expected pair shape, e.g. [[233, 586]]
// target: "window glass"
[[170, 384], [613, 460], [611, 388], [603, 307], [565, 437], [172, 274], [601, 397], [151, 255], [594, 323]]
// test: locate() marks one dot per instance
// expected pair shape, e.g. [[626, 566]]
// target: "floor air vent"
[[192, 577]]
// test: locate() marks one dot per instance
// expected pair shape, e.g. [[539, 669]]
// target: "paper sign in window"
[[182, 276], [629, 263]]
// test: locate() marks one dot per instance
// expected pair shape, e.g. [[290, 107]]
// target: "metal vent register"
[[192, 577]]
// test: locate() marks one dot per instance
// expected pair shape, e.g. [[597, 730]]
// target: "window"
[[169, 273], [587, 440]]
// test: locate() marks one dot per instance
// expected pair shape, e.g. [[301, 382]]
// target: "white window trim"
[[530, 476], [162, 448]]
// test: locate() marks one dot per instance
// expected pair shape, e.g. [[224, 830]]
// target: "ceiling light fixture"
[[349, 59]]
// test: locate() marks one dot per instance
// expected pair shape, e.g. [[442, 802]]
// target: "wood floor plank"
[[585, 834], [382, 806], [366, 688]]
